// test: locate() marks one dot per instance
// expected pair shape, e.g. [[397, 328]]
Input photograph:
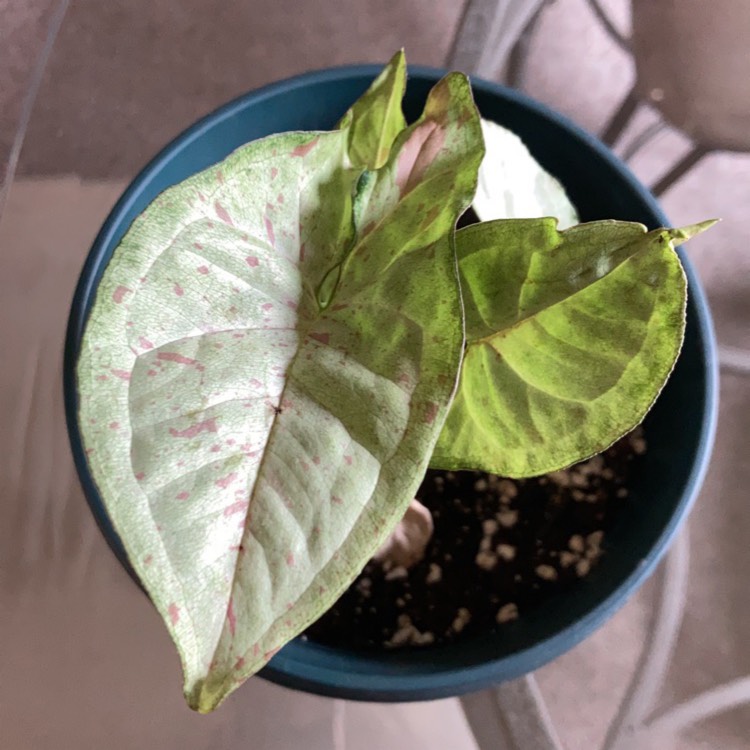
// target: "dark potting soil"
[[500, 547]]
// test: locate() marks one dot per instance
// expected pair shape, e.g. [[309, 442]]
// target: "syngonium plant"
[[282, 343]]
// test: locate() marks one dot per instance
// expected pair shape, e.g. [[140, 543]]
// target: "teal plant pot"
[[680, 427]]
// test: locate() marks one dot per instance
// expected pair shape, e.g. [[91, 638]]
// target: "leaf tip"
[[205, 695], [683, 234], [399, 59]]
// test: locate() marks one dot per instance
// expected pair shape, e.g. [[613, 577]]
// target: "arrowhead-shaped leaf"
[[261, 390], [570, 337], [376, 119]]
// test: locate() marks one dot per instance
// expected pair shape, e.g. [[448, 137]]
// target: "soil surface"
[[500, 548]]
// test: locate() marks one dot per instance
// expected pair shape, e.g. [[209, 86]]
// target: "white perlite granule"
[[462, 619], [407, 633], [547, 572], [506, 613], [435, 574]]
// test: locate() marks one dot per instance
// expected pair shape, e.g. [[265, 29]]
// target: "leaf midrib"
[[504, 332]]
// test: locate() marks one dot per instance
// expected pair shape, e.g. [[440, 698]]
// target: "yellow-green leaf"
[[570, 337]]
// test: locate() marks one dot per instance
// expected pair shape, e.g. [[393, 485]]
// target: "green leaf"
[[570, 337], [253, 446], [376, 119]]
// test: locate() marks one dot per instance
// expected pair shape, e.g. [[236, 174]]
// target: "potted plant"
[[268, 347]]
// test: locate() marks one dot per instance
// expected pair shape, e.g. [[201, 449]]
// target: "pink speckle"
[[198, 246], [119, 294], [239, 663], [148, 559], [174, 613], [114, 425], [269, 230], [102, 377], [183, 496], [231, 619], [151, 373], [431, 411], [215, 448], [336, 500], [305, 148], [291, 304], [231, 441], [321, 589], [348, 460], [145, 343], [203, 270], [418, 154], [224, 482], [207, 425], [219, 177], [140, 476], [267, 305], [316, 460], [223, 214], [274, 172], [252, 261], [323, 338], [290, 560], [239, 507], [256, 383], [180, 359], [178, 290], [122, 374], [280, 198], [270, 654]]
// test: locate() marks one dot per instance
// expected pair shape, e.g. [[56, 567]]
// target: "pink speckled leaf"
[[261, 390]]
